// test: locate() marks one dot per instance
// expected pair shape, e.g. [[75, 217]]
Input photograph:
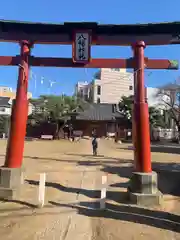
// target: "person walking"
[[94, 145], [94, 142]]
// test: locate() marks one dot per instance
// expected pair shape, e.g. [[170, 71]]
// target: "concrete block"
[[145, 183], [146, 200], [143, 189], [10, 182], [10, 177], [8, 193]]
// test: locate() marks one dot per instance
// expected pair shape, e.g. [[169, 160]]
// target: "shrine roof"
[[100, 112]]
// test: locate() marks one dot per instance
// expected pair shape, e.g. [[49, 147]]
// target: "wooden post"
[[15, 147], [141, 114]]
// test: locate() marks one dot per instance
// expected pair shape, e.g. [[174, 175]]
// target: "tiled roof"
[[37, 103], [4, 102], [99, 112]]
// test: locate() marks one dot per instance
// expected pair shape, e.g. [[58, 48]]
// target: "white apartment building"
[[108, 86], [82, 90], [112, 85]]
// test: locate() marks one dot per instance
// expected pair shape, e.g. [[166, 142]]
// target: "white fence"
[[156, 134], [166, 134]]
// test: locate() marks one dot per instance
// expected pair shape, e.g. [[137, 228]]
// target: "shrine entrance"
[[143, 186]]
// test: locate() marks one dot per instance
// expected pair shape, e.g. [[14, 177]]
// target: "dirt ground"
[[73, 182]]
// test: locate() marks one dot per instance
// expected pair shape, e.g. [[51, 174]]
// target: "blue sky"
[[101, 11]]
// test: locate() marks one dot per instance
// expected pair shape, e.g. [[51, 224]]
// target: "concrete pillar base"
[[143, 189], [10, 183]]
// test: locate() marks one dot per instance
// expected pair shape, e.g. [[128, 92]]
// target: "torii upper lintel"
[[102, 34]]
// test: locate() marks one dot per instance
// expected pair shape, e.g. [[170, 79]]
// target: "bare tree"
[[169, 99]]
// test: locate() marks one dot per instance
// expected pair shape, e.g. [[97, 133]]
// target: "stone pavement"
[[72, 192]]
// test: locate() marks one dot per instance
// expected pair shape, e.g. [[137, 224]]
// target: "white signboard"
[[81, 47]]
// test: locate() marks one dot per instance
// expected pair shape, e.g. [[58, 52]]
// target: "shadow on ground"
[[158, 219], [168, 182], [60, 187], [94, 161], [158, 148], [173, 150], [168, 177], [26, 204], [120, 197]]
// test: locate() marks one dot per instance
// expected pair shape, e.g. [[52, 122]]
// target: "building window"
[[81, 93], [98, 100], [98, 90], [115, 69], [86, 97], [130, 87]]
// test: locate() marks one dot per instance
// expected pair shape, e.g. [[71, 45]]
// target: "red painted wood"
[[15, 147], [159, 64], [9, 61], [103, 40], [141, 114], [95, 63]]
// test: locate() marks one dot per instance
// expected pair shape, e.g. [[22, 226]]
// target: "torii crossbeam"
[[95, 62]]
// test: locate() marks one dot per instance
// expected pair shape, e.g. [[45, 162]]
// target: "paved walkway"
[[72, 195]]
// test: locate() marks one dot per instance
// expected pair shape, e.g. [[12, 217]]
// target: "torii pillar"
[[11, 172], [143, 188]]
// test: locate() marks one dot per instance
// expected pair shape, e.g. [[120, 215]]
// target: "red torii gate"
[[142, 184]]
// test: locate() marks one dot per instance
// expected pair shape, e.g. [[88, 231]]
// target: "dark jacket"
[[94, 142]]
